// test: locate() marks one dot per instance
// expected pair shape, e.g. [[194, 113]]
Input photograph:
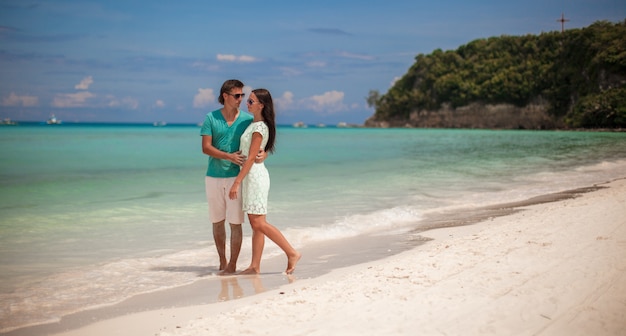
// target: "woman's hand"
[[234, 190]]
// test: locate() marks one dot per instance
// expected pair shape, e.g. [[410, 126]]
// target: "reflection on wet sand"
[[232, 282]]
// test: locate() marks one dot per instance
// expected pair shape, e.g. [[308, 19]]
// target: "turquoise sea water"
[[88, 212]]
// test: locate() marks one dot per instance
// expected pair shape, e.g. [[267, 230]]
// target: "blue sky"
[[145, 61]]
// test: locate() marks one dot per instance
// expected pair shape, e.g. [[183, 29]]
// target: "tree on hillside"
[[581, 74]]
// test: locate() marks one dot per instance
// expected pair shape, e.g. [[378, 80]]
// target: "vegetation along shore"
[[574, 79]]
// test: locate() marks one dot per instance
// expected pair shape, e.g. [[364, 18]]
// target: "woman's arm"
[[255, 144]]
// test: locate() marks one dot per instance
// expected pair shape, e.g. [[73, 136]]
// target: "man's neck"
[[230, 114]]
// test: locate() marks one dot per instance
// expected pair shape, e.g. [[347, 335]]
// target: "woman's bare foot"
[[249, 270], [292, 261]]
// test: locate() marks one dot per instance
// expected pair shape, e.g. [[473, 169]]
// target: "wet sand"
[[536, 267]]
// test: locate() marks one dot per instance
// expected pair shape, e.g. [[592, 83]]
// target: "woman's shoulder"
[[259, 126]]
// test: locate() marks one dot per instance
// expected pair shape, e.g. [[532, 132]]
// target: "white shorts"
[[221, 207]]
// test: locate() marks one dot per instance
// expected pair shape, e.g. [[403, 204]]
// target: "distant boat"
[[159, 123], [53, 120], [299, 124], [321, 125], [343, 124], [8, 121]]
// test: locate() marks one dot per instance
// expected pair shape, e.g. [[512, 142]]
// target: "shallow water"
[[91, 209]]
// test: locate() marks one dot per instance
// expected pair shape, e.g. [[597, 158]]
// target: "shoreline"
[[319, 259], [175, 308], [554, 268]]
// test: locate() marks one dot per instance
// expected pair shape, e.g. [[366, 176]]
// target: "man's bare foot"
[[292, 261], [228, 270], [249, 270]]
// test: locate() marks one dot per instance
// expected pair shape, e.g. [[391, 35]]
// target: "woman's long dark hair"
[[269, 116]]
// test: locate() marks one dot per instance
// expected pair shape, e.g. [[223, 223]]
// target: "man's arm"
[[209, 149]]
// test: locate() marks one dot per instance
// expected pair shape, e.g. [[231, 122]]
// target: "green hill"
[[571, 79]]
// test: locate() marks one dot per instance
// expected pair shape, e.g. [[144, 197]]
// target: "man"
[[221, 132]]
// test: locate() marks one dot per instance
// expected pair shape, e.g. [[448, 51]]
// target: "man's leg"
[[236, 238], [234, 216], [219, 235]]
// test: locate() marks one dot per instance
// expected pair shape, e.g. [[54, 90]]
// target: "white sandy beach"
[[556, 268]]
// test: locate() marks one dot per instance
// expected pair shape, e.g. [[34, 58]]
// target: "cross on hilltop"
[[562, 20]]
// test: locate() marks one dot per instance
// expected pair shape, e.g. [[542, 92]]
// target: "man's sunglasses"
[[237, 95]]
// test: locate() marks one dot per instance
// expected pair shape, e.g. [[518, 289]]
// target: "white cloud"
[[287, 71], [15, 100], [205, 66], [235, 58], [127, 102], [316, 64], [159, 104], [130, 102], [203, 98], [247, 90], [284, 102], [77, 99], [356, 56], [328, 102], [84, 84]]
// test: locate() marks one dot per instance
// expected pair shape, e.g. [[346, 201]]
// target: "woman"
[[254, 180]]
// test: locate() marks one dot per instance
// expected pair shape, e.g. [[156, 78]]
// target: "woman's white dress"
[[255, 187]]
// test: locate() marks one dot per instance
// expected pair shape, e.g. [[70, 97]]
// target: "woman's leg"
[[277, 237], [258, 243]]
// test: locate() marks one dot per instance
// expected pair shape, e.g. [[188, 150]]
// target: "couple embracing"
[[237, 180]]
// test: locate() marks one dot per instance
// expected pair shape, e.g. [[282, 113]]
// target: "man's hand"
[[237, 158], [261, 156]]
